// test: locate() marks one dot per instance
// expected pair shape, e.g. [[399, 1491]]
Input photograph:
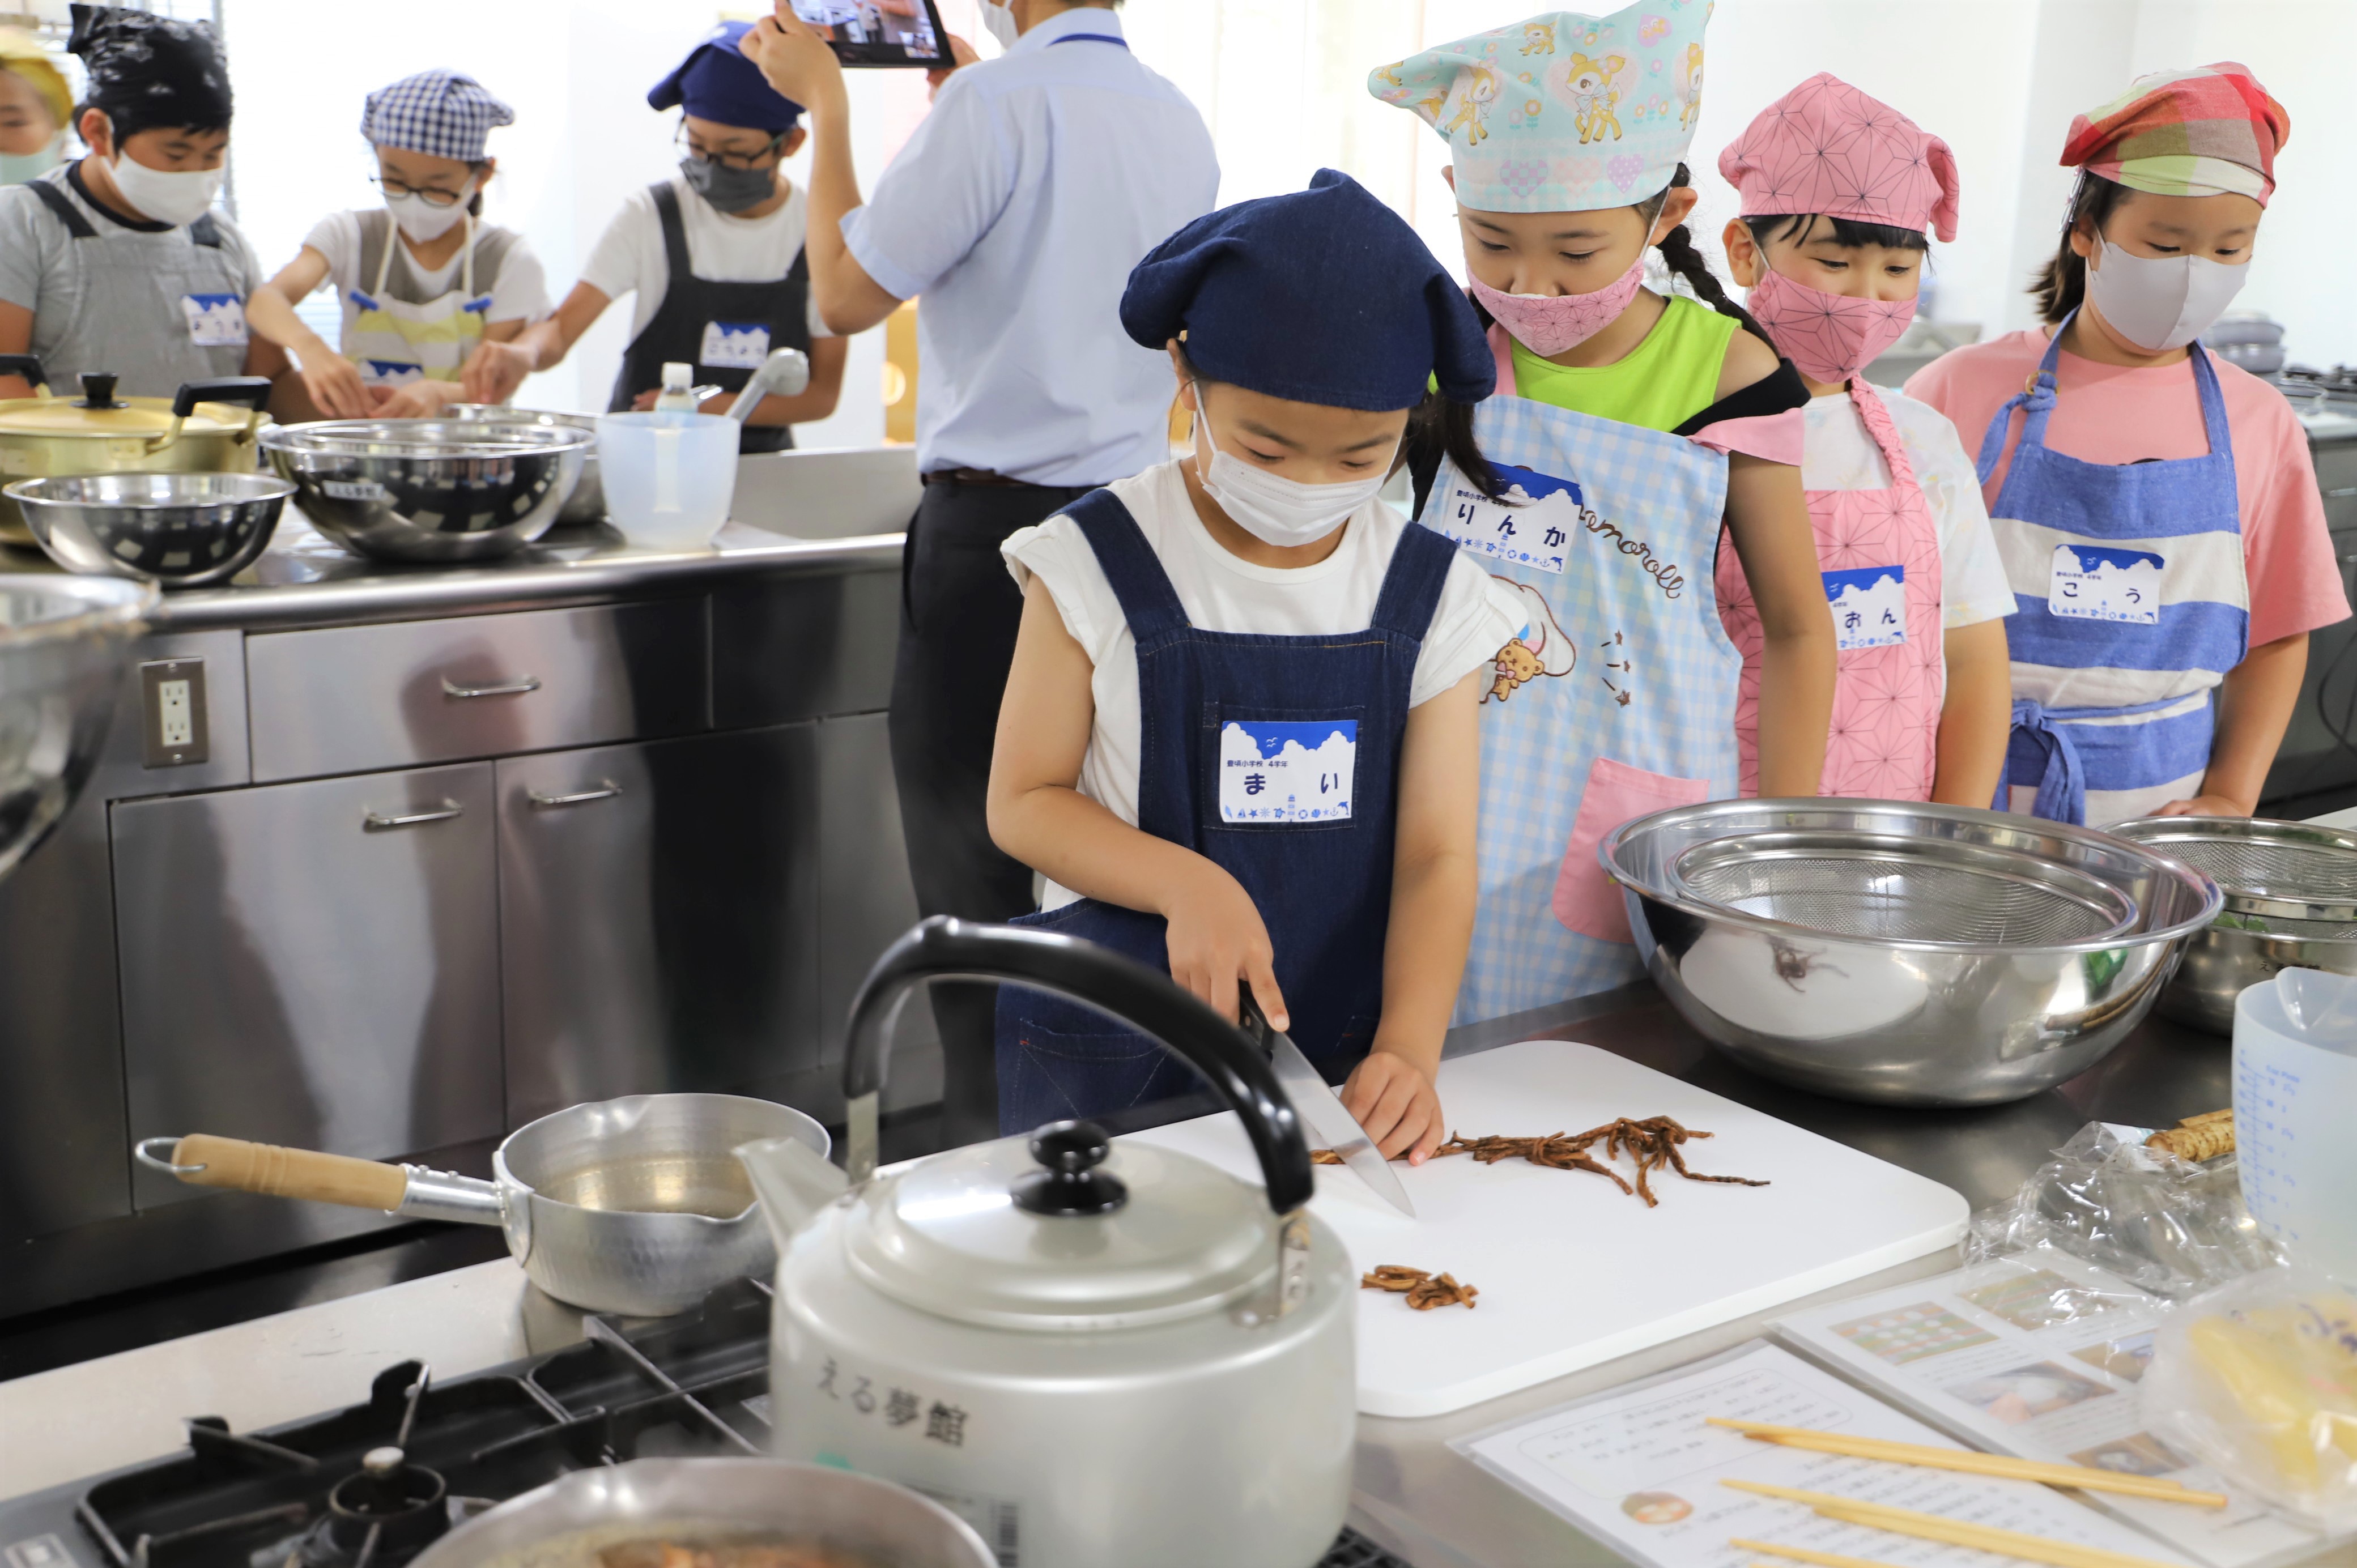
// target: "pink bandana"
[[1826, 147], [1548, 324], [1831, 336]]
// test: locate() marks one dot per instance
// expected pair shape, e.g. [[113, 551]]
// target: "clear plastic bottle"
[[678, 395]]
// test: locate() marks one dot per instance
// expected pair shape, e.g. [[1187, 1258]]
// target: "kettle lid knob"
[[1069, 1181], [98, 389]]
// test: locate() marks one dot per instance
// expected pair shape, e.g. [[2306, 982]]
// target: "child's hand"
[[2204, 806], [1395, 1102], [1217, 938]]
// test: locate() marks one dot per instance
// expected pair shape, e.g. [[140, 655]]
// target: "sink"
[[840, 492], [62, 642]]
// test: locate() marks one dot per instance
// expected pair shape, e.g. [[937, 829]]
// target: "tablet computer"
[[880, 32]]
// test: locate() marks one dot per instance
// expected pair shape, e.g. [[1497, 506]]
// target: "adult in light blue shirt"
[[1035, 183]]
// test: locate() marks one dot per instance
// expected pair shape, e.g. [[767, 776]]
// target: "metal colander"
[[2293, 871], [1911, 890]]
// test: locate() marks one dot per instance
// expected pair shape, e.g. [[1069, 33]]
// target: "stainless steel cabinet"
[[658, 910], [314, 964]]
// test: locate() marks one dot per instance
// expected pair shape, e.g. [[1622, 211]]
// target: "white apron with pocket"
[[393, 334]]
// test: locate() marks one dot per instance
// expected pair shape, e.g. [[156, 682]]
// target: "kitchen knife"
[[1323, 1109]]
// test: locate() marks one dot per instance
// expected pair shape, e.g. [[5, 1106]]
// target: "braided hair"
[[1678, 253]]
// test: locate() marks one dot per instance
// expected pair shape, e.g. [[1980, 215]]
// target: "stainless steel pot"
[[566, 1523], [62, 642], [627, 1206], [199, 429], [429, 489], [586, 504], [180, 530], [1115, 1355]]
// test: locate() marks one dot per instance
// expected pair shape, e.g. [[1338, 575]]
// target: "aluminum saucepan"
[[199, 429], [633, 1206], [183, 530], [1903, 954], [429, 489], [61, 644]]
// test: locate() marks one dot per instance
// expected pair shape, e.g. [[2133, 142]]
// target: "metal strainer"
[[2292, 871]]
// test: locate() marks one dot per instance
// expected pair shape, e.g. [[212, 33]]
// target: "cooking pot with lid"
[[196, 430], [1094, 1353]]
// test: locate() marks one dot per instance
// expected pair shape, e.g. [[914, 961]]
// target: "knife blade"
[[1323, 1109]]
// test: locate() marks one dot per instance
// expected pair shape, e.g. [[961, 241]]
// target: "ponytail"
[[1678, 253], [2061, 284], [1441, 426]]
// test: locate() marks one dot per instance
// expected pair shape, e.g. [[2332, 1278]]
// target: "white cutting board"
[[1572, 1271]]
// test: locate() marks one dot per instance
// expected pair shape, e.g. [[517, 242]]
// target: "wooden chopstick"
[[2081, 1476], [1948, 1532], [1803, 1554]]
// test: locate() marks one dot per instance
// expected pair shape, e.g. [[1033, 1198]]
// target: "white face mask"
[[998, 21], [164, 195], [422, 220], [1270, 506], [2161, 302]]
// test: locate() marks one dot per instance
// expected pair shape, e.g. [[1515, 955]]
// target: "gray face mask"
[[728, 189]]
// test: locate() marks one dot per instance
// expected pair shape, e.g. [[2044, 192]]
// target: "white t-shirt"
[[721, 247], [519, 292], [1220, 593], [1838, 455]]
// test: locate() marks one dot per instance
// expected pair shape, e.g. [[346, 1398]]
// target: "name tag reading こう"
[[1869, 605], [215, 321], [1531, 530], [734, 345], [2091, 583], [1288, 772]]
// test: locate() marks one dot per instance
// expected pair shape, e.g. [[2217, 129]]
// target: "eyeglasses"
[[688, 144], [429, 194]]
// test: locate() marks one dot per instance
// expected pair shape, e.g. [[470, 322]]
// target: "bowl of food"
[[1903, 954], [182, 531], [588, 503], [714, 1513], [429, 489]]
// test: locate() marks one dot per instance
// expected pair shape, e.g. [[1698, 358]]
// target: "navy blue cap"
[[1325, 295], [716, 82]]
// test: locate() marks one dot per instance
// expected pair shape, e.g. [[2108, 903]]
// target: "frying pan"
[[631, 1205]]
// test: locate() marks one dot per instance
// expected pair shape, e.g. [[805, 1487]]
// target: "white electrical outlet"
[[173, 700], [176, 723]]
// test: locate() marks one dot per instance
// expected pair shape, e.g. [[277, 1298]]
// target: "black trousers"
[[959, 614]]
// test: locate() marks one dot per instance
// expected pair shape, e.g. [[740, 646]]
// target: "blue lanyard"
[[1113, 38]]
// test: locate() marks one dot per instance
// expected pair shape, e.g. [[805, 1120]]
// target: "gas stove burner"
[[391, 1505], [2340, 380]]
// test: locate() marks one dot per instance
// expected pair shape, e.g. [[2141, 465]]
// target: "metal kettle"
[[1093, 1354]]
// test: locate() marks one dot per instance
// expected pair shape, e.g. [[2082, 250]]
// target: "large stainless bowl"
[[180, 530], [1901, 954], [429, 489], [588, 503], [61, 642]]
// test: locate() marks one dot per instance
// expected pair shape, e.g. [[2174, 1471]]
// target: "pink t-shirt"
[[2117, 414]]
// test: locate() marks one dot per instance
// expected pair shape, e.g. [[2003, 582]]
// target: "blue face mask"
[[20, 168]]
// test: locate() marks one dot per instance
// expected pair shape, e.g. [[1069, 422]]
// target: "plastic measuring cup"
[[669, 478], [2294, 1085]]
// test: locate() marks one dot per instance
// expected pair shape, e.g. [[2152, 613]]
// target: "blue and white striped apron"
[[1617, 699], [2133, 604]]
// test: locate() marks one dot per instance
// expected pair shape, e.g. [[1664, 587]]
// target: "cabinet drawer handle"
[[504, 689], [378, 822], [606, 790]]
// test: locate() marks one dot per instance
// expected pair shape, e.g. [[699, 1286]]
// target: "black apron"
[[696, 312]]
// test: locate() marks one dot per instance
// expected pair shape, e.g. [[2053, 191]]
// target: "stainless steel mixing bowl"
[[2290, 903], [588, 503], [429, 489], [180, 530], [1901, 954], [61, 642]]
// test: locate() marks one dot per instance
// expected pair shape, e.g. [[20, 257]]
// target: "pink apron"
[[1880, 552]]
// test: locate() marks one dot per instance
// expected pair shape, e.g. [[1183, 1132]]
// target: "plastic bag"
[[2164, 1224], [2259, 1378]]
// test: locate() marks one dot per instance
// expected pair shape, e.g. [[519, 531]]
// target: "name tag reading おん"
[[734, 345], [215, 321], [2091, 583], [1869, 605], [1272, 771], [1531, 531]]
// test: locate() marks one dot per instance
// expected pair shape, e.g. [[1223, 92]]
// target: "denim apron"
[[1225, 720], [2133, 604], [1617, 697]]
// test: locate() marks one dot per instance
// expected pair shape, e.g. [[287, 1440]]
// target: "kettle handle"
[[945, 947]]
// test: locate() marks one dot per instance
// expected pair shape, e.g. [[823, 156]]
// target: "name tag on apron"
[[1532, 532], [390, 372], [215, 321], [2091, 583], [1288, 772], [734, 345], [1869, 605]]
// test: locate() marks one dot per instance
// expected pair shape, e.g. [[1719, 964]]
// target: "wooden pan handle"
[[274, 1172]]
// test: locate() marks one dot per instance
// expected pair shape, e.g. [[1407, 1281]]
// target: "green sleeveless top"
[[1659, 384]]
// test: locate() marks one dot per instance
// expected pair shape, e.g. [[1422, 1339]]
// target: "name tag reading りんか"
[[1272, 771], [2091, 583], [1869, 605], [215, 321], [734, 345], [1531, 527]]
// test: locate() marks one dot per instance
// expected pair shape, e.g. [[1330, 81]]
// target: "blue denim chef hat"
[[1323, 295], [716, 82]]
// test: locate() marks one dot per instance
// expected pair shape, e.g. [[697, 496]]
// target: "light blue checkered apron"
[[1621, 659]]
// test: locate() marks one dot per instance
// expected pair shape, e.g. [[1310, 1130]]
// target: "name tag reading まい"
[[2090, 582], [1869, 605], [1530, 531], [1288, 772], [215, 321], [734, 345]]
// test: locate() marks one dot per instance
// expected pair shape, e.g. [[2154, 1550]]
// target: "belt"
[[989, 480]]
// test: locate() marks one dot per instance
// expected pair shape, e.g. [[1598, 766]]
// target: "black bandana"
[[147, 71]]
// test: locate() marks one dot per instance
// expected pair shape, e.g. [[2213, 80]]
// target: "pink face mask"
[[1548, 324], [1830, 337]]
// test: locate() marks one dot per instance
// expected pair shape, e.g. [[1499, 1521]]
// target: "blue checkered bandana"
[[441, 113]]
